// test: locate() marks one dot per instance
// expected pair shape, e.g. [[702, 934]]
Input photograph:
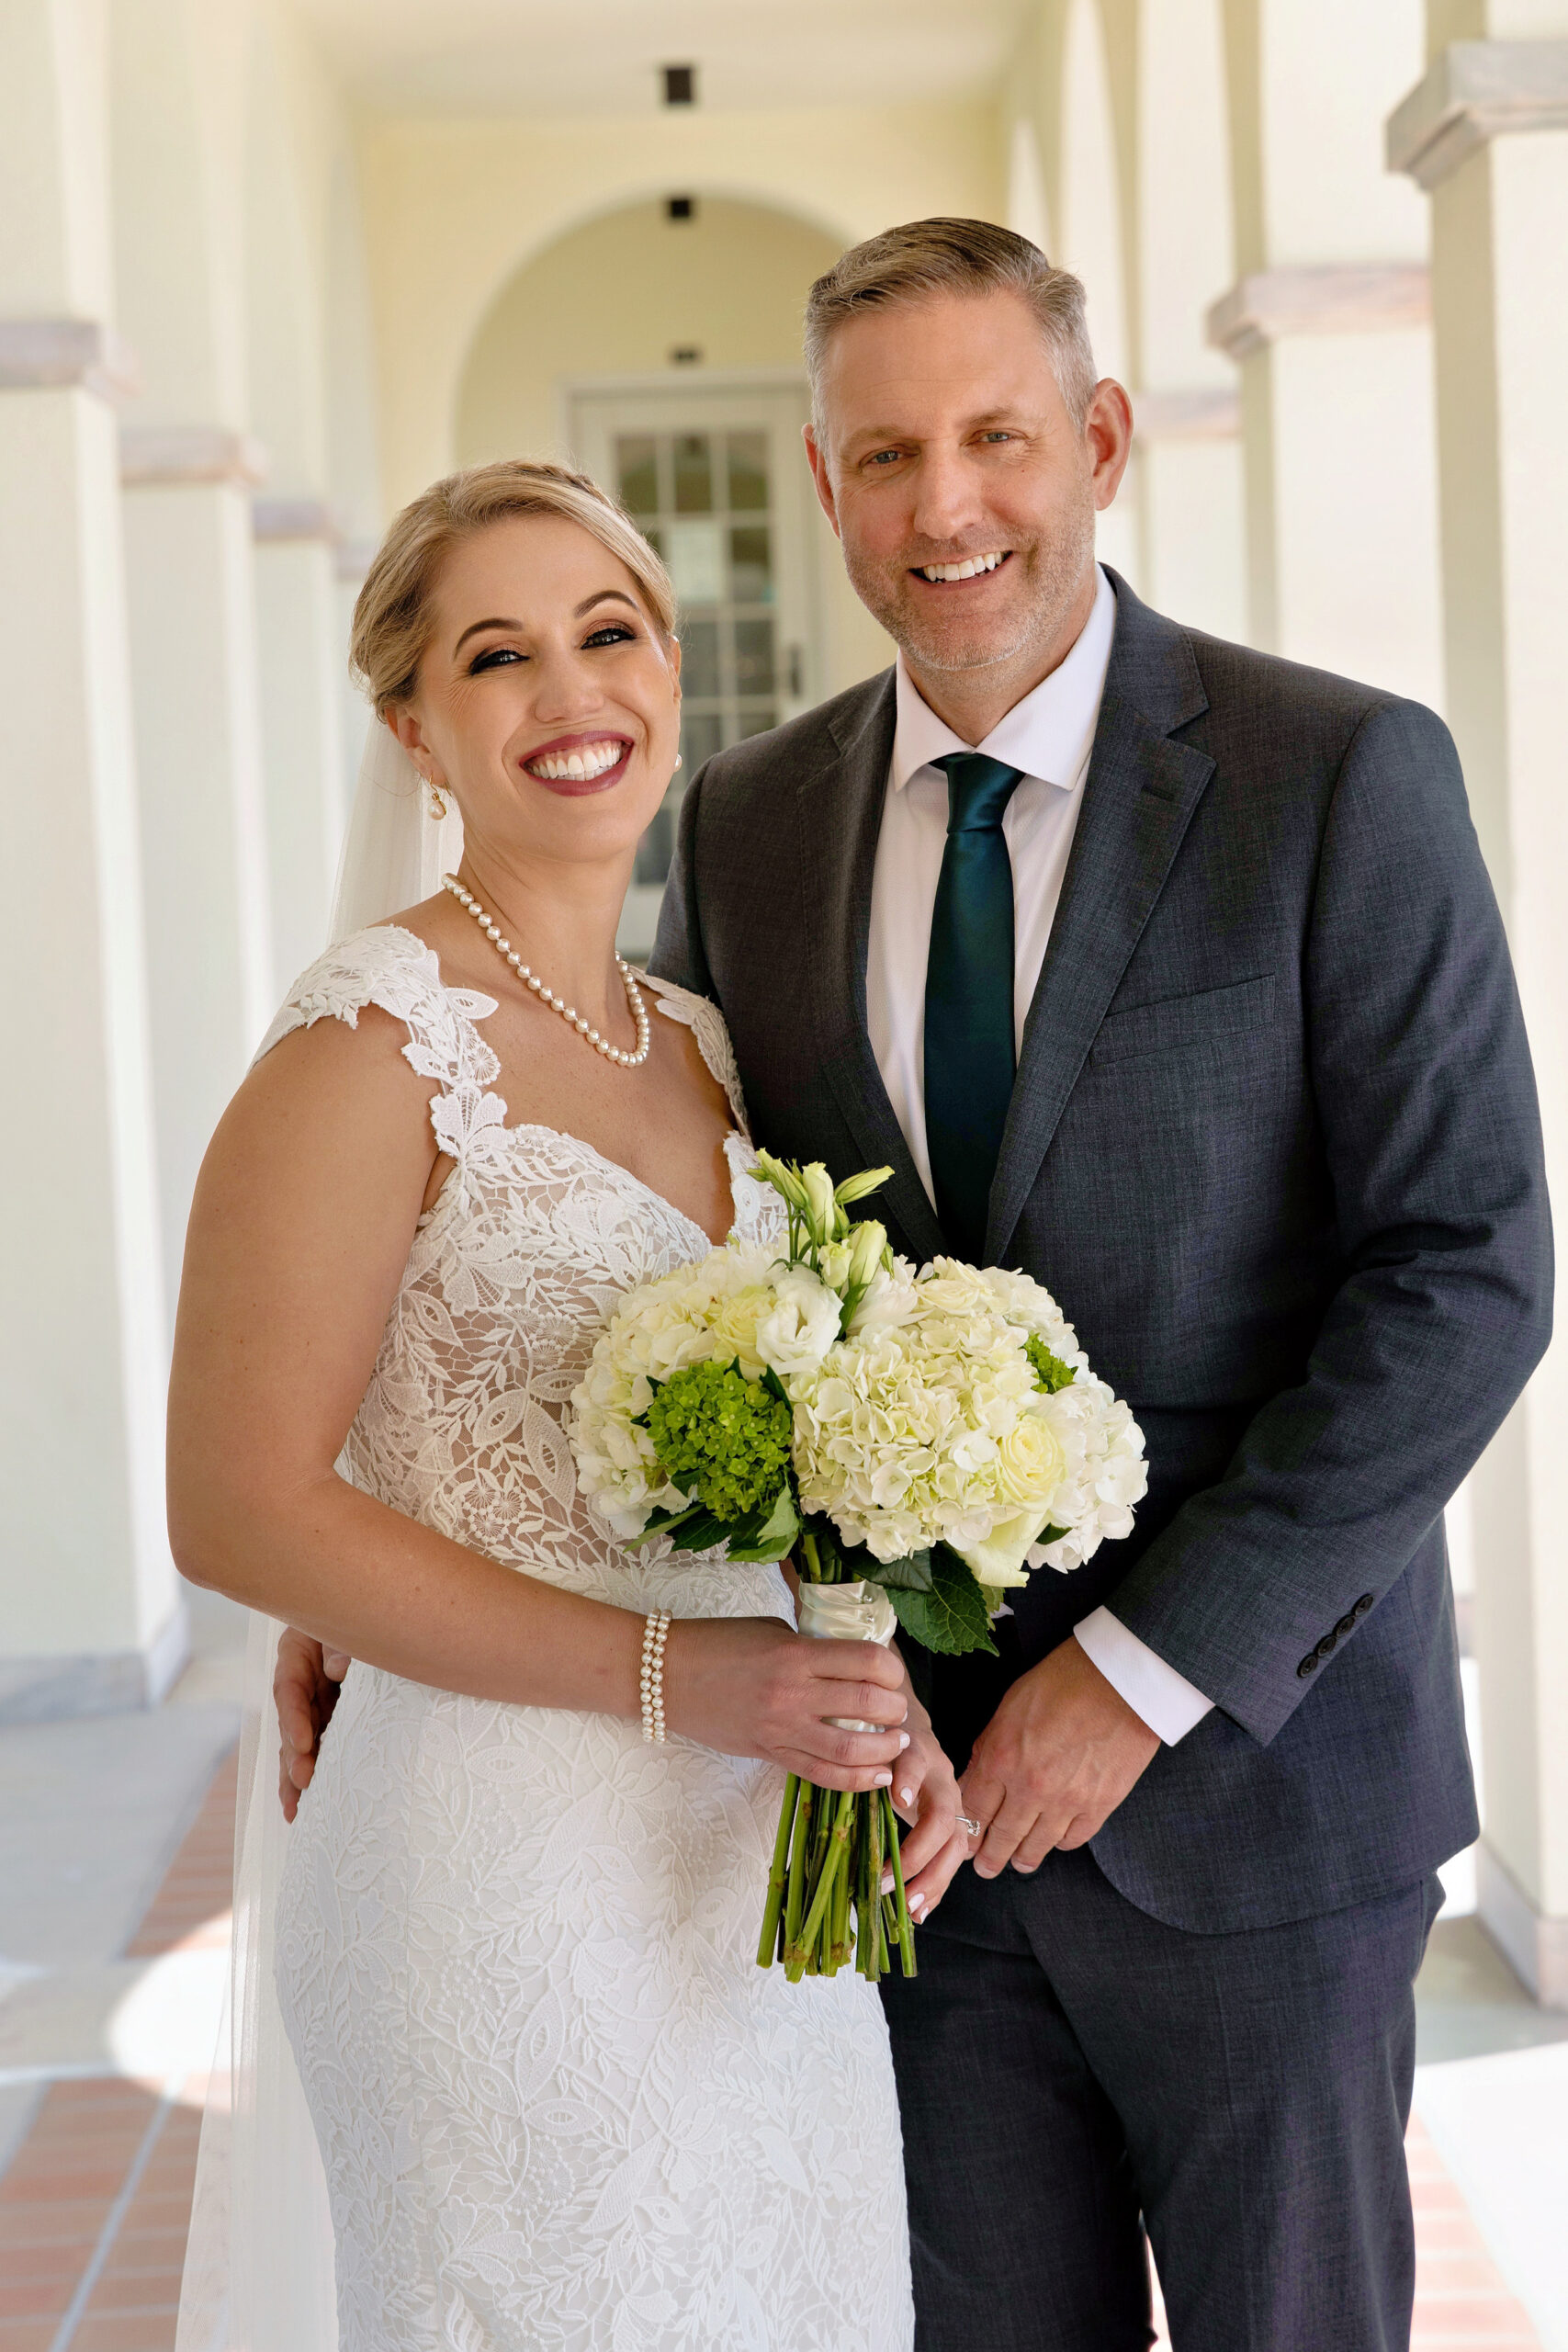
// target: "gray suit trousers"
[[1066, 2063]]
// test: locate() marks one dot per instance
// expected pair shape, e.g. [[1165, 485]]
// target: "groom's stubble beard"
[[1055, 564]]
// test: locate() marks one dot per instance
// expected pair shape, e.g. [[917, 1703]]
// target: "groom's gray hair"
[[926, 257]]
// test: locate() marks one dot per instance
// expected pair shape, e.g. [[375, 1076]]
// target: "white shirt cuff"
[[1166, 1702]]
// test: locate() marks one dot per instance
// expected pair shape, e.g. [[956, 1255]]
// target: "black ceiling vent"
[[680, 207], [680, 85]]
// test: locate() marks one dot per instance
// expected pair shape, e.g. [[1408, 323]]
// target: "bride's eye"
[[491, 659], [613, 633]]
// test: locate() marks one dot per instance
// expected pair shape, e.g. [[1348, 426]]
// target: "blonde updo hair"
[[391, 614]]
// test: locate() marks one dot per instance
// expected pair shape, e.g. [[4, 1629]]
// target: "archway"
[[658, 346], [628, 293]]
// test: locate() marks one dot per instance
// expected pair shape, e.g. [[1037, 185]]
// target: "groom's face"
[[944, 442]]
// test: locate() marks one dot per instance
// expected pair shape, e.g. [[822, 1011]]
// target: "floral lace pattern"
[[561, 2107]]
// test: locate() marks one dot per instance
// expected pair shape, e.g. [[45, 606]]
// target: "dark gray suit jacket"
[[1274, 1146]]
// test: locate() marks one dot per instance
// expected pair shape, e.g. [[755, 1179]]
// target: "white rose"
[[803, 1324], [733, 1322], [1031, 1463]]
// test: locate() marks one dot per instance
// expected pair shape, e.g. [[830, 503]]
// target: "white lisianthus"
[[801, 1324], [1001, 1560], [891, 1299]]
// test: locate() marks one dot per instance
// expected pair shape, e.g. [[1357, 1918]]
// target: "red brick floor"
[[95, 2207], [96, 2204]]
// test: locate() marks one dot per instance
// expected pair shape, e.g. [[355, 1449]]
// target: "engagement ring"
[[971, 1828]]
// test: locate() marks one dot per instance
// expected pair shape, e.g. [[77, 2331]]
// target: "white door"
[[715, 474]]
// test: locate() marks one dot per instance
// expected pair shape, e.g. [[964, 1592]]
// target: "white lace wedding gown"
[[561, 2107]]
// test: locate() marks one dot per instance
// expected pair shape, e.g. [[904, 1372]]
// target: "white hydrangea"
[[931, 1427]]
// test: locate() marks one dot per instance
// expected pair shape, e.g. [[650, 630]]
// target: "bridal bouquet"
[[918, 1441]]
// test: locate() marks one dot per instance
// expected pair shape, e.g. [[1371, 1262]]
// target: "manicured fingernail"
[[906, 1796], [917, 1907], [887, 1881], [903, 1741], [883, 1780]]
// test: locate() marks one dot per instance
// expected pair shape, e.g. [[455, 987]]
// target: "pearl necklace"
[[503, 947]]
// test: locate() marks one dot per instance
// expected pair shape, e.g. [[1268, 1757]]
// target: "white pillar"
[[1486, 133], [287, 239], [1090, 224], [298, 626], [1185, 412], [189, 468], [89, 1614], [1328, 322]]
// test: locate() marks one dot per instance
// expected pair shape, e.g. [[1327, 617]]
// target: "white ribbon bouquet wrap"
[[917, 1443]]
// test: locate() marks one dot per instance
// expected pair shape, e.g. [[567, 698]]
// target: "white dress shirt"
[[1048, 737]]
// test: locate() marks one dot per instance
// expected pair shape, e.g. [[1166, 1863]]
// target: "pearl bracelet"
[[655, 1633]]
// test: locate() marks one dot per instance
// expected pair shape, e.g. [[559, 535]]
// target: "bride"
[[557, 2103]]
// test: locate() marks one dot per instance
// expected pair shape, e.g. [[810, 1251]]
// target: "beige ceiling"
[[588, 57]]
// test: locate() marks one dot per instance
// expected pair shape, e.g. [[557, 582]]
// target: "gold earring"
[[437, 800]]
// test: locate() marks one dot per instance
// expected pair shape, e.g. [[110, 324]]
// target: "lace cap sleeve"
[[706, 1025], [390, 968]]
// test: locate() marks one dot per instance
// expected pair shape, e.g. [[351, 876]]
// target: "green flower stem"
[[767, 1945], [905, 1926], [838, 1854], [796, 1899]]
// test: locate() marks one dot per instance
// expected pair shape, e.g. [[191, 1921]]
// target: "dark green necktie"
[[969, 986]]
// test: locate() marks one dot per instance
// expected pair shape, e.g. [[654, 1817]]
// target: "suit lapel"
[[1139, 796], [840, 817]]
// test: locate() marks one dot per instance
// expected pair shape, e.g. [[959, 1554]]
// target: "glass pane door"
[[709, 490]]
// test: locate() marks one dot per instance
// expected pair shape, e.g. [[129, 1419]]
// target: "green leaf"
[[702, 1531], [660, 1523], [911, 1574], [772, 1381], [952, 1617], [774, 1534]]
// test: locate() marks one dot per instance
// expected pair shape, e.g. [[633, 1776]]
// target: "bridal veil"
[[258, 2274]]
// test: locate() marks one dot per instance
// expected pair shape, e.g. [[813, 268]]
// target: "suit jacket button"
[[1348, 1622], [1308, 1665], [1364, 1604], [1328, 1643]]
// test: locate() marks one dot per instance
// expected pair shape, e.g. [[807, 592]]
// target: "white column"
[[89, 1614], [1090, 216], [1186, 411], [295, 524], [1328, 322], [298, 626], [1486, 133], [189, 468]]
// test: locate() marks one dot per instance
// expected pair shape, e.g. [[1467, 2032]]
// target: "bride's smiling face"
[[549, 701]]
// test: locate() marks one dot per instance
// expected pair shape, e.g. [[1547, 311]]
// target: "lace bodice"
[[532, 1239]]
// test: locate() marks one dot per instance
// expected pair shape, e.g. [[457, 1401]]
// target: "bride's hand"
[[750, 1686], [305, 1690], [925, 1793]]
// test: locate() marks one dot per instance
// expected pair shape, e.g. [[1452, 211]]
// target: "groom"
[[1171, 974]]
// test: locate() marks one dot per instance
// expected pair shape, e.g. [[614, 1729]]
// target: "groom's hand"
[[305, 1690], [1054, 1762]]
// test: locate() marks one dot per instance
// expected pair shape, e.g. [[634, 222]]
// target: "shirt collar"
[[1049, 734]]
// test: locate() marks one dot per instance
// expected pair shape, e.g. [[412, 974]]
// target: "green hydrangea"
[[721, 1438], [1050, 1371]]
